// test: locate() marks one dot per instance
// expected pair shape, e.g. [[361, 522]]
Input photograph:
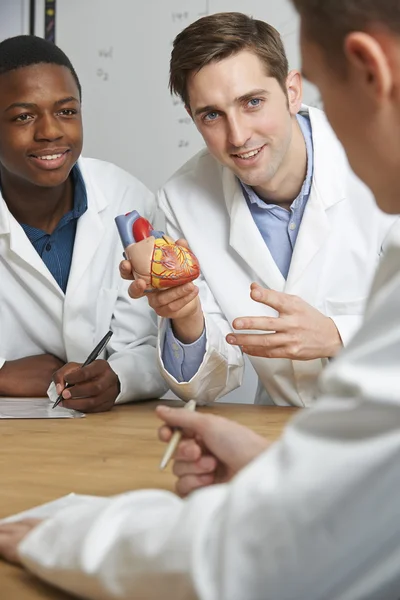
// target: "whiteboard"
[[14, 18], [121, 51]]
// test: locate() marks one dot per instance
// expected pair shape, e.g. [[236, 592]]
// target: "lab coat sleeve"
[[132, 350], [315, 516], [221, 369], [388, 233], [182, 361], [347, 325]]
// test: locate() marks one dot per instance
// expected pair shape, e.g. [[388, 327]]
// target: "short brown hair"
[[219, 36], [327, 22]]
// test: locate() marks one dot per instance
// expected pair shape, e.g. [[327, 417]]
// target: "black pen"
[[92, 356]]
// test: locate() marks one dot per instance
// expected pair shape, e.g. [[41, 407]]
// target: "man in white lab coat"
[[276, 217], [317, 515], [59, 249]]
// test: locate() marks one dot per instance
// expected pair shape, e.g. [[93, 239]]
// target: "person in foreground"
[[60, 288], [317, 514]]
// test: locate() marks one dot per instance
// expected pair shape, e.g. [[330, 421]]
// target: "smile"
[[249, 154], [50, 161], [49, 157]]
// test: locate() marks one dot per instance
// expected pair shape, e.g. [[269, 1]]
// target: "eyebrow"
[[240, 99], [31, 105]]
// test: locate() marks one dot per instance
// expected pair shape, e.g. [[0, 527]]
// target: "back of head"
[[219, 36], [27, 50], [327, 22]]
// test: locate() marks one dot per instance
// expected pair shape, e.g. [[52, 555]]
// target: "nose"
[[238, 132], [48, 128]]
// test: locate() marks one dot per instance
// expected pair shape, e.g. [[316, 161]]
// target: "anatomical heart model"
[[154, 256]]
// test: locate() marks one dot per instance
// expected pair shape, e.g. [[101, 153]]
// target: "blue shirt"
[[279, 228], [56, 249]]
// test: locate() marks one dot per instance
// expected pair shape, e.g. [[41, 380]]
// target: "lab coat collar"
[[245, 237], [89, 231], [328, 188], [88, 236]]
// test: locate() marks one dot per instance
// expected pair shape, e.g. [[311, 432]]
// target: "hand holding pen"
[[90, 387]]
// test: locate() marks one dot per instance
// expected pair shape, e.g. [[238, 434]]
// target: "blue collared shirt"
[[279, 228], [56, 249]]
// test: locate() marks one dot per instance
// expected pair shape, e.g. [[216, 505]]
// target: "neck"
[[287, 182], [38, 207]]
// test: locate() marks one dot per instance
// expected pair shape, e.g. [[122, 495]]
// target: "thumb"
[[137, 289], [182, 242]]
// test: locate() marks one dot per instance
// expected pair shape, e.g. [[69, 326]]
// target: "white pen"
[[175, 439]]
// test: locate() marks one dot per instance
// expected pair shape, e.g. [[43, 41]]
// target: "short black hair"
[[27, 50]]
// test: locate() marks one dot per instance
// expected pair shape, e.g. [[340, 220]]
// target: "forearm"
[[28, 376], [189, 329]]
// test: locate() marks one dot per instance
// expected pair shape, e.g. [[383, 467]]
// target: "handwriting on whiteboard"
[[181, 19], [104, 68]]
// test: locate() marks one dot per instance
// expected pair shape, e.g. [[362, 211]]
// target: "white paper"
[[52, 392], [34, 408], [49, 509]]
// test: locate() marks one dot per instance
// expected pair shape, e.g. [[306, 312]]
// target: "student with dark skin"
[[49, 196]]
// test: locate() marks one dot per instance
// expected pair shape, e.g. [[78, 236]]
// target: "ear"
[[294, 88], [369, 63]]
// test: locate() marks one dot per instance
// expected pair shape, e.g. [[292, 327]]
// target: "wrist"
[[335, 341], [188, 329]]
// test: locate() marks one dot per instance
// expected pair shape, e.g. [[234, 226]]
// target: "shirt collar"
[[80, 195]]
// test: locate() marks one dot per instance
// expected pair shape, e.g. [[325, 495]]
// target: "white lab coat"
[[315, 517], [335, 257], [36, 317]]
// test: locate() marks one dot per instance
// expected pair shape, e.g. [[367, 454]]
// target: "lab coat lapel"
[[245, 237], [328, 188], [22, 248], [89, 233]]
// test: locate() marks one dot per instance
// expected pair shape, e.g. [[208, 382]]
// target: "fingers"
[[93, 388], [187, 484], [91, 404], [95, 370], [11, 535], [191, 423], [272, 324], [125, 269], [59, 376], [182, 242], [137, 289], [205, 465], [265, 341], [281, 302]]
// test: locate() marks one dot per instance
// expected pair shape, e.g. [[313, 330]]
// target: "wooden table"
[[101, 454]]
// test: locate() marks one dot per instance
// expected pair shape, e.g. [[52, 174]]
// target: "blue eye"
[[211, 116], [255, 102]]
